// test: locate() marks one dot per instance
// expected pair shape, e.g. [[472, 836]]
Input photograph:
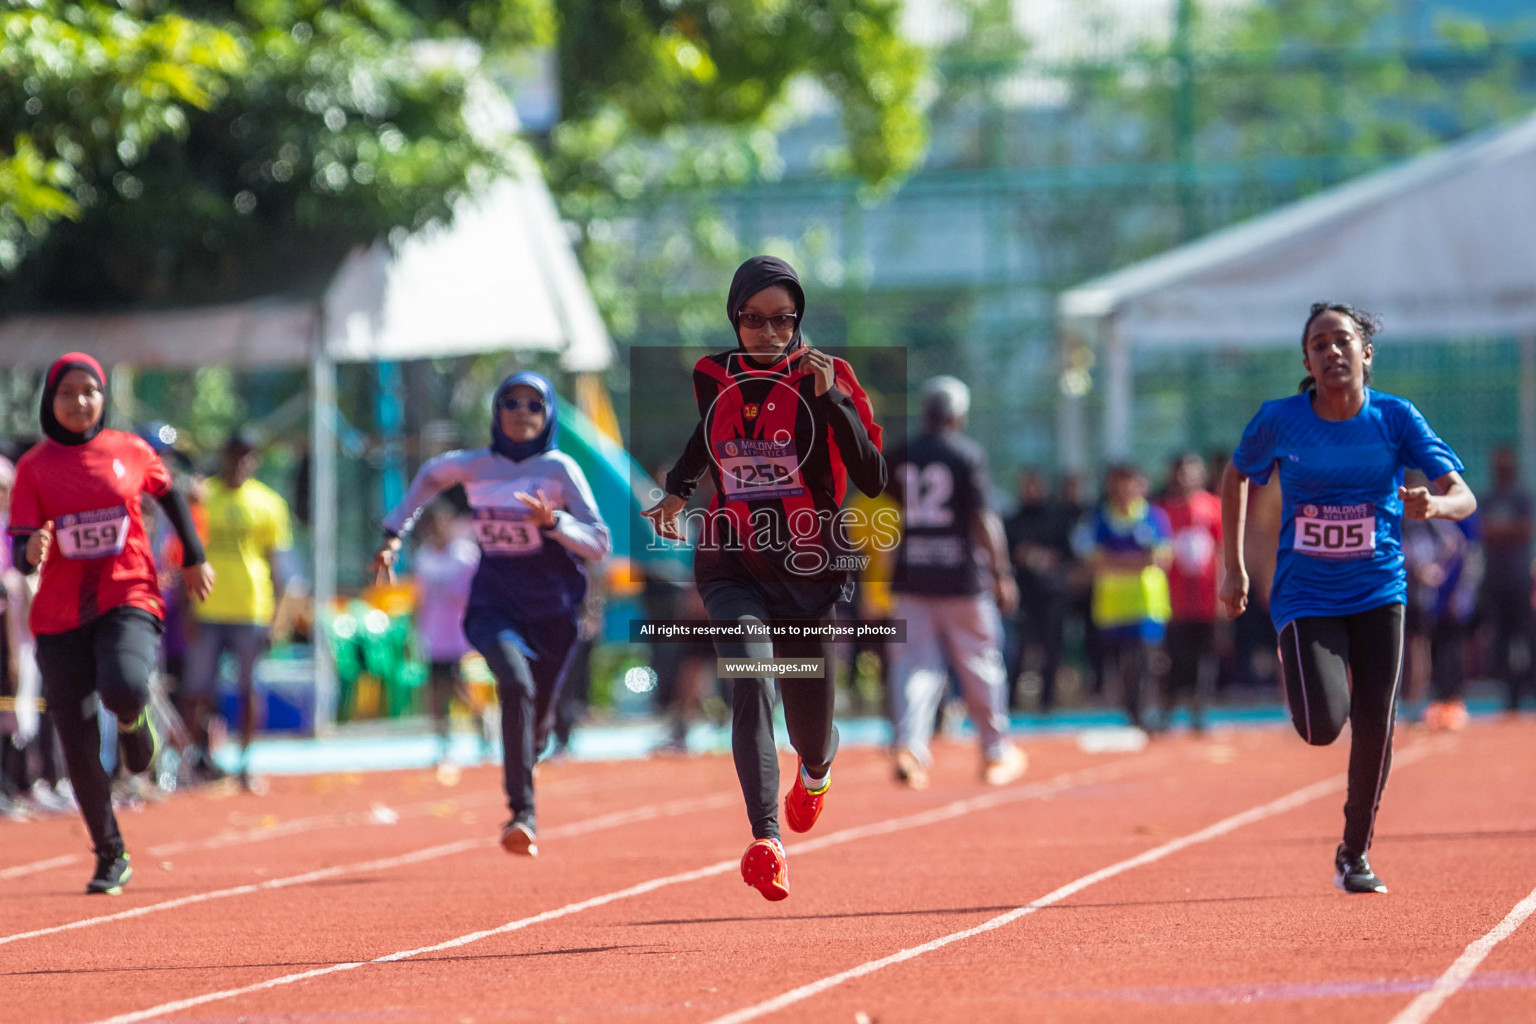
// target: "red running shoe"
[[764, 868], [801, 806]]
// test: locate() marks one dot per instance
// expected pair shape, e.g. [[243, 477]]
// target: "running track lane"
[[988, 800], [1247, 926], [348, 800], [1079, 828], [710, 898]]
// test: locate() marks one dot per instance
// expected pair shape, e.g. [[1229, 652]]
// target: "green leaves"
[[211, 149], [97, 84], [653, 64]]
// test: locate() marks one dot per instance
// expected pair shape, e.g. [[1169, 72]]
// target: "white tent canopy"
[[502, 276], [1442, 246]]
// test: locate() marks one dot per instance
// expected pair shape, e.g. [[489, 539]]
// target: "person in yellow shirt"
[[248, 538]]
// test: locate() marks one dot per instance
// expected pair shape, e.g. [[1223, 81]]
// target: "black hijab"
[[753, 276], [51, 426]]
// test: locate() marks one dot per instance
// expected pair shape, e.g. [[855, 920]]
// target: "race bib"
[[506, 531], [752, 470], [98, 534], [1335, 531]]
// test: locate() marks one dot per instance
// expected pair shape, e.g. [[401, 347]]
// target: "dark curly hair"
[[1366, 323]]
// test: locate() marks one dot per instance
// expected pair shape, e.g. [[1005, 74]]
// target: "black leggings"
[[1347, 668], [808, 703], [529, 662], [111, 657]]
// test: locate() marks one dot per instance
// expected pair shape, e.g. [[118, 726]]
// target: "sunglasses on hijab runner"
[[778, 321], [512, 403]]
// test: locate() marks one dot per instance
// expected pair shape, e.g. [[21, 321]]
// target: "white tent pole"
[[1071, 432], [1527, 454], [120, 387], [322, 497], [1117, 393]]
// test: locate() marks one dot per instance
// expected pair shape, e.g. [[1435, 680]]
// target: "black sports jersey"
[[780, 456], [941, 481]]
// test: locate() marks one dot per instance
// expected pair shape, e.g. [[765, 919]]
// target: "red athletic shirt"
[[1196, 523], [100, 558], [781, 457]]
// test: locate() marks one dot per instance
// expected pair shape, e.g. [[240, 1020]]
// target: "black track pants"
[[111, 657], [529, 662], [807, 703], [1347, 668]]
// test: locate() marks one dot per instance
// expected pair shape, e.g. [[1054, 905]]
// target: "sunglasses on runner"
[[779, 321], [512, 403]]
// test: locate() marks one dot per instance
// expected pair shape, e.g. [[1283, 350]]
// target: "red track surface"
[[1238, 923]]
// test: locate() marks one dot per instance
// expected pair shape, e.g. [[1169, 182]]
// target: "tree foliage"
[[202, 150]]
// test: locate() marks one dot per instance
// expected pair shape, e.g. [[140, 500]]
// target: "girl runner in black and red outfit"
[[783, 427], [75, 516]]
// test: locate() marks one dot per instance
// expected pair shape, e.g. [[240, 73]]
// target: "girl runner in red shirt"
[[783, 428], [75, 517]]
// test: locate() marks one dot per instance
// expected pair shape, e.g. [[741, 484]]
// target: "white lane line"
[[378, 814], [1040, 789], [1278, 806], [576, 828], [41, 865], [344, 819], [1460, 972]]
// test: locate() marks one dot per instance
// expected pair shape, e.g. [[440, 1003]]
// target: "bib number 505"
[[1336, 532], [1333, 536]]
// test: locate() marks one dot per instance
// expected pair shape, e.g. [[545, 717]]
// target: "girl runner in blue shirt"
[[1340, 584], [537, 525]]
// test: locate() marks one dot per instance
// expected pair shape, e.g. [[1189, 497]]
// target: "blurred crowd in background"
[[1088, 636]]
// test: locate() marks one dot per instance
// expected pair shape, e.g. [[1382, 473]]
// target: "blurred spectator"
[[1194, 516], [1039, 534], [444, 564], [13, 775], [871, 533], [1506, 513], [948, 536], [1216, 464], [1127, 544], [1079, 623], [248, 541], [162, 437], [31, 777], [575, 692], [1445, 565], [683, 668]]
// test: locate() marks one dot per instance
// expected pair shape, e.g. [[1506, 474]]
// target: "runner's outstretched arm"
[[578, 527], [866, 466], [684, 475]]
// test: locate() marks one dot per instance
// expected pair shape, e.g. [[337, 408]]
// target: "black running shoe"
[[1352, 873], [138, 744], [518, 839], [112, 872]]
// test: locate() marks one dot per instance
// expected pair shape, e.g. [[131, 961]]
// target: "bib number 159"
[[99, 534]]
